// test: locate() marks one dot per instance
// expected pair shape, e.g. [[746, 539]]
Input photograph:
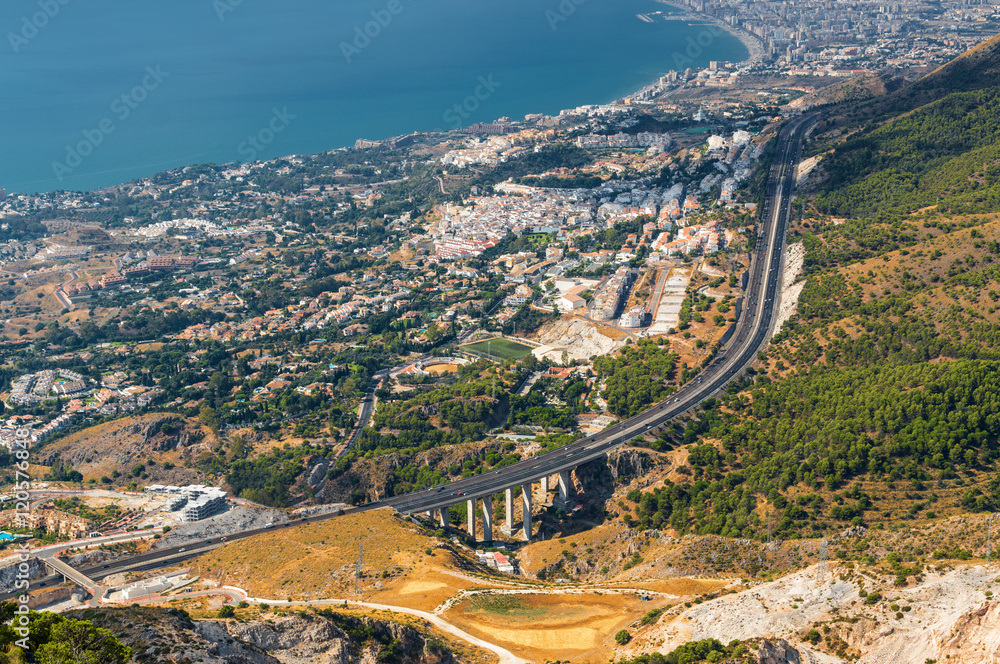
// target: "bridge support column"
[[545, 484], [509, 510], [565, 484], [488, 518], [526, 511], [443, 517], [470, 510]]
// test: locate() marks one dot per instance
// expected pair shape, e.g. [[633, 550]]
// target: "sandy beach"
[[753, 43]]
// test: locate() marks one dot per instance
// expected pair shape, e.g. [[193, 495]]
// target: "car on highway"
[[182, 550]]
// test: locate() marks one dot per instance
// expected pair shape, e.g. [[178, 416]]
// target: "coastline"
[[753, 43], [685, 15]]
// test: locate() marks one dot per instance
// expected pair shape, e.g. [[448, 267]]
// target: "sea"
[[98, 92]]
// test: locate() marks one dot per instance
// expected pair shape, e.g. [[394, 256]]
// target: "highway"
[[752, 333]]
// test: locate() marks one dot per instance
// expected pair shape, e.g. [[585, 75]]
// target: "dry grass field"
[[552, 627], [317, 561]]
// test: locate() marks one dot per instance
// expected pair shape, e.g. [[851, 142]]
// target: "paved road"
[[60, 292], [364, 415], [752, 333]]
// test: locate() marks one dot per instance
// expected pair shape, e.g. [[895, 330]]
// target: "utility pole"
[[822, 557], [359, 568], [989, 538]]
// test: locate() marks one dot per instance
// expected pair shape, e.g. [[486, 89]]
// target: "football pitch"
[[499, 348]]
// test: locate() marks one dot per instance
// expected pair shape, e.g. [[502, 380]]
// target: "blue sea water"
[[109, 90]]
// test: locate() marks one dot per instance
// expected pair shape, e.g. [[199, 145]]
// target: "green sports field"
[[499, 348]]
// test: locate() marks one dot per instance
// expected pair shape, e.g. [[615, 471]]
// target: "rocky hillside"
[[839, 613], [372, 478], [173, 443], [170, 635]]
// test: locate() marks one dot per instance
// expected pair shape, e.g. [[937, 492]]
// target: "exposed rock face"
[[629, 462], [311, 639], [979, 626], [57, 596], [371, 476], [944, 615], [578, 338], [8, 574], [125, 443], [90, 557], [169, 635], [777, 652]]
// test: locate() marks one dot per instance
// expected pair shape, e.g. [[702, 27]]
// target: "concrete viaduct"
[[564, 482]]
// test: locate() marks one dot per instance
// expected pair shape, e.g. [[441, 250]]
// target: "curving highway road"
[[752, 333]]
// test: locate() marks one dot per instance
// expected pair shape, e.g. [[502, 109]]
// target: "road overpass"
[[752, 332]]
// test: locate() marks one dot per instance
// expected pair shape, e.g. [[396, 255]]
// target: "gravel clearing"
[[236, 519]]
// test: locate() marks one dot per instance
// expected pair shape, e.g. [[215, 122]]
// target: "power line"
[[822, 557], [989, 537], [359, 568]]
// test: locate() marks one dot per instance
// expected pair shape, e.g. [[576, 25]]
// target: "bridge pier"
[[545, 484], [488, 518], [565, 484], [470, 511], [509, 510], [526, 511], [443, 517]]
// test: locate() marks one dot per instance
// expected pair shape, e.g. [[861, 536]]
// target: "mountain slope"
[[943, 154]]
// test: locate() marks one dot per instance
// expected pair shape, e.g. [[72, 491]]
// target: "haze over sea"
[[209, 78]]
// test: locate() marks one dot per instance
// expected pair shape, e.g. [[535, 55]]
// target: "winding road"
[[753, 330]]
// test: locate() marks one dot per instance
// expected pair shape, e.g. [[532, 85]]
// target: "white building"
[[195, 501], [144, 588], [632, 318]]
